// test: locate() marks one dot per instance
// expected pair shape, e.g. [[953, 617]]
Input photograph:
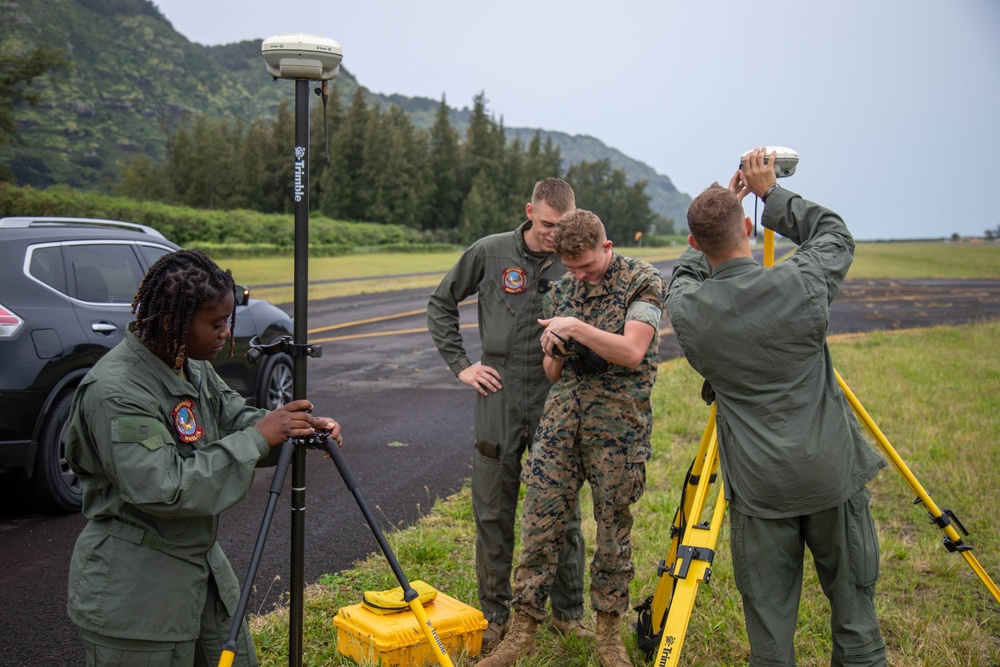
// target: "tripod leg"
[[409, 594], [953, 541], [280, 470], [693, 565], [682, 519]]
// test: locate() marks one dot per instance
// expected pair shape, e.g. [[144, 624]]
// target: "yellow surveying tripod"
[[664, 616]]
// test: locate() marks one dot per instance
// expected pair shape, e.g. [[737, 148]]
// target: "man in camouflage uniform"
[[510, 272], [600, 341]]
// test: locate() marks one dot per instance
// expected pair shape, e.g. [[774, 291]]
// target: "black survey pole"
[[300, 351], [301, 293], [302, 58]]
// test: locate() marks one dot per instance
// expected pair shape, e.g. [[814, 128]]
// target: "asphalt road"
[[407, 426]]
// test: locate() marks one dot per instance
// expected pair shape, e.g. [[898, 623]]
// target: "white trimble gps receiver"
[[299, 56], [784, 162]]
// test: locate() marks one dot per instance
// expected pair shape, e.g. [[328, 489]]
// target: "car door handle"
[[106, 328]]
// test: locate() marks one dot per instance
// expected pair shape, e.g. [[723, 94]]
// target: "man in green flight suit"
[[793, 459], [510, 272]]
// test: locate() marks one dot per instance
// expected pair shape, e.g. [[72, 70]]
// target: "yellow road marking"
[[384, 318], [381, 333]]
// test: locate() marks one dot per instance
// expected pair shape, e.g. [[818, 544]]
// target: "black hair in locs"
[[173, 289]]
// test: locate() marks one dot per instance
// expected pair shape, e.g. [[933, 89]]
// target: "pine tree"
[[262, 173], [483, 147], [444, 196], [623, 209], [143, 178], [395, 181], [321, 129], [483, 160], [538, 164], [482, 212], [196, 163], [342, 190], [410, 202], [179, 148], [380, 157], [516, 186], [551, 159], [280, 161]]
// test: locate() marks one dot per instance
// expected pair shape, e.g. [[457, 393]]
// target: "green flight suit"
[[510, 282], [793, 458], [159, 457]]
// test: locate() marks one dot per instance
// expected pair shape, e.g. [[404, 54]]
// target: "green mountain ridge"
[[134, 77]]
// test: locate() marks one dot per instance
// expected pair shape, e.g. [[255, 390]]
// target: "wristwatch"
[[768, 193]]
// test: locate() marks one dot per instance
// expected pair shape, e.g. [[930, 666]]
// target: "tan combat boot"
[[492, 635], [571, 628], [610, 648], [517, 643]]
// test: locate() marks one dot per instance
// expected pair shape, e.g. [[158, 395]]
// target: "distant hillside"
[[132, 74], [135, 76]]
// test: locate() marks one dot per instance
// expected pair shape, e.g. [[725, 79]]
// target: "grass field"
[[872, 260], [935, 393]]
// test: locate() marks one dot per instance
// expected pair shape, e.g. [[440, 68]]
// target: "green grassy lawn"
[[926, 260], [935, 394]]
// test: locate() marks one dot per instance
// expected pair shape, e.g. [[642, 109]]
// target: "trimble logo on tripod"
[[668, 649], [300, 168]]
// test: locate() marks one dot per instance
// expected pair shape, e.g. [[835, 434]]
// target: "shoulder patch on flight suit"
[[147, 431], [186, 423], [514, 280]]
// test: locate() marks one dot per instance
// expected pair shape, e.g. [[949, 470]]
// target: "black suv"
[[66, 289]]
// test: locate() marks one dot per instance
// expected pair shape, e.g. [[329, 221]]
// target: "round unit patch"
[[186, 423], [514, 280]]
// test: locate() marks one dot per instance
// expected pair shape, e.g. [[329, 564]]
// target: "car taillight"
[[9, 323]]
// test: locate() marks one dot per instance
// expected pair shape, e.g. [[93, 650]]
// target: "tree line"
[[379, 167]]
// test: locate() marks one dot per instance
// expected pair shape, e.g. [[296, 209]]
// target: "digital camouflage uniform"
[[793, 458], [159, 457], [596, 428], [510, 282]]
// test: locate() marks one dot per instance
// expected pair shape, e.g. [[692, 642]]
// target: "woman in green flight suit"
[[161, 446]]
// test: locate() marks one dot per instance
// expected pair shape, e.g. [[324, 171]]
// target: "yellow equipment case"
[[396, 640]]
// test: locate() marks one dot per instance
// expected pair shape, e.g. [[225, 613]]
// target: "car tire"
[[54, 487], [275, 386]]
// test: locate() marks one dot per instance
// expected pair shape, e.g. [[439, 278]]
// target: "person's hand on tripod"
[[289, 421], [327, 424]]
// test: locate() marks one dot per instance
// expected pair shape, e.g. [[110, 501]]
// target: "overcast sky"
[[892, 105]]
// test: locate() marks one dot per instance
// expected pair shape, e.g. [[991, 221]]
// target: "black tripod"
[[320, 440]]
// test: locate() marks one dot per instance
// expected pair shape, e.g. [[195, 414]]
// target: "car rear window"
[[47, 265]]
